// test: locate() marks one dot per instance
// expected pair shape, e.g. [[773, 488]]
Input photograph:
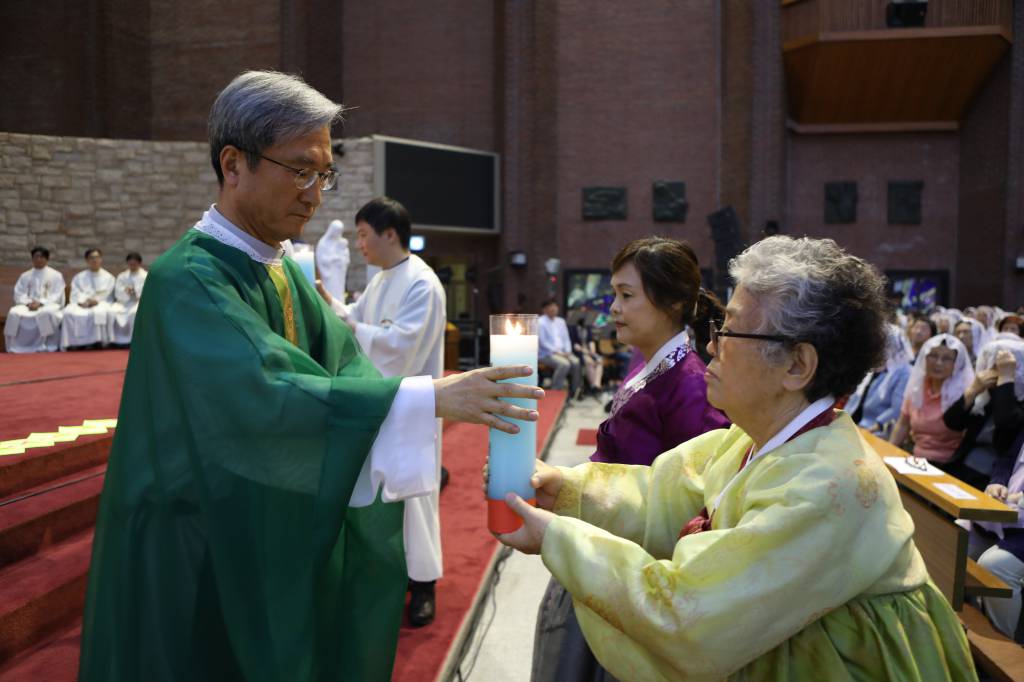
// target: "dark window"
[[905, 202], [840, 202]]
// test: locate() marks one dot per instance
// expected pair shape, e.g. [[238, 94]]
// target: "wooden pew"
[[943, 546]]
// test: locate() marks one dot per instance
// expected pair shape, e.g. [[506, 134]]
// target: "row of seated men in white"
[[100, 308]]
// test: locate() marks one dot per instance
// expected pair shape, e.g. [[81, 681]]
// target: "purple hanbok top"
[[659, 411]]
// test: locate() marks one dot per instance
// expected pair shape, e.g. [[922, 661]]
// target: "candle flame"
[[513, 329]]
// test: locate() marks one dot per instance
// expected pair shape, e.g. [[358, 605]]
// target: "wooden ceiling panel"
[[846, 79]]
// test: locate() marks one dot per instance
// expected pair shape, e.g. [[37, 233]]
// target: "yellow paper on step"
[[17, 442], [39, 440], [88, 430], [62, 437], [12, 450], [105, 423], [74, 431]]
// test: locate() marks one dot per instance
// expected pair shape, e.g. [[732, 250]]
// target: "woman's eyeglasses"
[[715, 333]]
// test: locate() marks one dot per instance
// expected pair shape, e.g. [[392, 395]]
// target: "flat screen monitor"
[[919, 290], [589, 294], [443, 187]]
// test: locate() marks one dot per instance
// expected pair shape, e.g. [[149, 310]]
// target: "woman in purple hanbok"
[[661, 403]]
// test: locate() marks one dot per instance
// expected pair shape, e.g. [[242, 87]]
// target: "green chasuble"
[[225, 547]]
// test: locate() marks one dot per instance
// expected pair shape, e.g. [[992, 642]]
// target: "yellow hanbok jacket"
[[808, 573]]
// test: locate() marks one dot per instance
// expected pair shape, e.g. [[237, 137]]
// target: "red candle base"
[[501, 518]]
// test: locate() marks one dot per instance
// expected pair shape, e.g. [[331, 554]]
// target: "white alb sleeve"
[[403, 458]]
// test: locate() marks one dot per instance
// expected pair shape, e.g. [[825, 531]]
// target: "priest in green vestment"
[[250, 527]]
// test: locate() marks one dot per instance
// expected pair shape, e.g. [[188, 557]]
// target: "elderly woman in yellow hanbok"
[[777, 549]]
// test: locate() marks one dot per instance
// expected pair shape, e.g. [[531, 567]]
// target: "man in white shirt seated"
[[127, 290], [33, 324], [555, 349], [86, 317]]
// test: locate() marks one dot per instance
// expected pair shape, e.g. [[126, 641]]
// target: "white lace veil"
[[987, 360], [955, 385]]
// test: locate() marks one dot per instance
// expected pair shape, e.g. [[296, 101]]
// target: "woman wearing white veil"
[[999, 547], [972, 334], [941, 375], [876, 403], [991, 411]]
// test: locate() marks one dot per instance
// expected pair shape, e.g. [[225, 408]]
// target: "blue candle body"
[[511, 456], [306, 261]]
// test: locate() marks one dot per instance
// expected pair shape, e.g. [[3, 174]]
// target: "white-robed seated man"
[[33, 324], [399, 322], [86, 317], [127, 291]]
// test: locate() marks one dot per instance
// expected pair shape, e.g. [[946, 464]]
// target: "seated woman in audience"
[[85, 317], [127, 290], [972, 334], [585, 348], [876, 403], [920, 330], [941, 375], [662, 402], [990, 412], [1010, 324], [33, 324], [778, 549], [999, 547]]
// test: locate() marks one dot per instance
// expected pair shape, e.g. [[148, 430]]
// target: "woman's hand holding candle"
[[473, 397], [547, 481], [529, 538]]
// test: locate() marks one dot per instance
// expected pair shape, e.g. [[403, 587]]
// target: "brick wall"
[[872, 161], [69, 194]]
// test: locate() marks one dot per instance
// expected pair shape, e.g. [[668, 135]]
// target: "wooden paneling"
[[811, 17], [980, 582], [890, 78], [943, 546], [981, 508]]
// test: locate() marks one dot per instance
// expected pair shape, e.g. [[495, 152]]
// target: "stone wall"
[[69, 194]]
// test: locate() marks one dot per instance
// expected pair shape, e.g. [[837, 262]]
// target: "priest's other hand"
[[34, 305], [473, 397], [530, 537], [547, 481]]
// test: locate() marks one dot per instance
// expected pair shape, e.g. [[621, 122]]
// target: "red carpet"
[[586, 437], [49, 496], [467, 545]]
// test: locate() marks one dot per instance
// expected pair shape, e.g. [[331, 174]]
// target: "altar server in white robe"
[[400, 322], [86, 317], [33, 324], [332, 260], [127, 290]]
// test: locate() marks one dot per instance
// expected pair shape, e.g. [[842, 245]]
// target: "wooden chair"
[[943, 546]]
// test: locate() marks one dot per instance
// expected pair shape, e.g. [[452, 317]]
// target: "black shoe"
[[421, 603], [444, 477]]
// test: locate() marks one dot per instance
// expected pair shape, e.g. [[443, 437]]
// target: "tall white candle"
[[511, 456]]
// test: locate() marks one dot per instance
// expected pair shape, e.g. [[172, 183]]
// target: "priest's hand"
[[324, 294], [530, 537], [473, 397], [547, 481], [34, 305]]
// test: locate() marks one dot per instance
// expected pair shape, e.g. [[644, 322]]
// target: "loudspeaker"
[[725, 231], [906, 13]]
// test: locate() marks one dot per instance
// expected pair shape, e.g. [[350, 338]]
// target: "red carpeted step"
[[42, 593], [39, 517], [41, 465], [53, 660]]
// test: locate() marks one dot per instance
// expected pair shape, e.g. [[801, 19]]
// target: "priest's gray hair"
[[812, 291], [259, 109]]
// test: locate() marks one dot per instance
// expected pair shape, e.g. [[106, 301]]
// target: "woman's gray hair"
[[259, 109], [812, 291]]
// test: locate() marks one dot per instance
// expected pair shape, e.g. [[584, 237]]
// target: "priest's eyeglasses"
[[716, 332], [305, 177]]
